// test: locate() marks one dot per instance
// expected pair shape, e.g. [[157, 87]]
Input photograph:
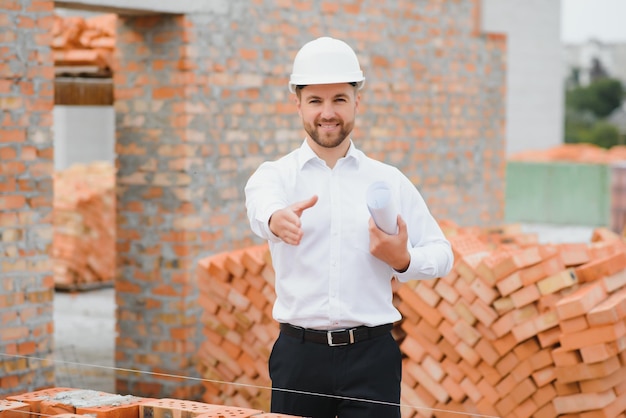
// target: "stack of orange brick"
[[83, 246], [482, 338], [79, 41], [72, 403], [578, 153], [517, 329], [236, 294]]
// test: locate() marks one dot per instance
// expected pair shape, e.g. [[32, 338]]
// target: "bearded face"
[[328, 112]]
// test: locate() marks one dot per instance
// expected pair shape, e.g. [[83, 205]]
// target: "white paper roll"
[[382, 207]]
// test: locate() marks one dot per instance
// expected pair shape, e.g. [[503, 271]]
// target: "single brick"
[[546, 411], [611, 310], [14, 409], [574, 254], [549, 337], [525, 296], [424, 379], [35, 398], [613, 409], [483, 312], [615, 281], [603, 351], [556, 282], [429, 313], [603, 383], [466, 333], [594, 335], [471, 390], [543, 377], [509, 284], [488, 391], [579, 372], [580, 301], [523, 390], [456, 392], [467, 265], [575, 324], [602, 267], [583, 402], [174, 408], [548, 267], [228, 411], [565, 358]]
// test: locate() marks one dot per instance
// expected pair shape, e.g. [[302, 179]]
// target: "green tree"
[[585, 127], [586, 108], [605, 135], [601, 97]]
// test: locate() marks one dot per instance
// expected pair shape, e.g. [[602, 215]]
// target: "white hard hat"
[[325, 61]]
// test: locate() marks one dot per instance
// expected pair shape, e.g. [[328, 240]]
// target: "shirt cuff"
[[415, 269], [265, 222]]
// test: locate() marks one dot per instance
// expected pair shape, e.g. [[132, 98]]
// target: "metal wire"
[[415, 407]]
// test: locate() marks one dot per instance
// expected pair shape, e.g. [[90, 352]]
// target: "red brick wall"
[[26, 165], [201, 101], [161, 212]]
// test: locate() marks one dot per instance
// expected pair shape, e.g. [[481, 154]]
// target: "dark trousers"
[[352, 381]]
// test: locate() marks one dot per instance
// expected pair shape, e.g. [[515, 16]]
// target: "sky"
[[604, 20]]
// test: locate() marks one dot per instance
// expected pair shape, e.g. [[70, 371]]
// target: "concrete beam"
[[145, 7]]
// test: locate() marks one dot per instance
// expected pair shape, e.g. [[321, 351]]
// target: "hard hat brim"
[[308, 81]]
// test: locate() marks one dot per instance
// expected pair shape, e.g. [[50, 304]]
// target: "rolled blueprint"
[[382, 208]]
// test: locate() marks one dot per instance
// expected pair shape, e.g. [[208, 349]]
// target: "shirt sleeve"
[[431, 253], [264, 196]]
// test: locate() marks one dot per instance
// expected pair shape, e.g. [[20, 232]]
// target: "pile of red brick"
[[237, 294], [72, 403], [517, 329], [510, 331], [83, 246], [84, 42]]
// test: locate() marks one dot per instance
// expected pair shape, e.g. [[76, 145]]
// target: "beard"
[[328, 139]]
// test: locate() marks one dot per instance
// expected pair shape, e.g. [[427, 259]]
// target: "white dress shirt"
[[330, 280]]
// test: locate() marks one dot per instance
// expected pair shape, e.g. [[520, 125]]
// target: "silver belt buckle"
[[329, 337]]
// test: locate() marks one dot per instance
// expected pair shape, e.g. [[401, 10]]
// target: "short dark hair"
[[301, 86]]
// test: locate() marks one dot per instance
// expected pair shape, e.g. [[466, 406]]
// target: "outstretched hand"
[[285, 223]]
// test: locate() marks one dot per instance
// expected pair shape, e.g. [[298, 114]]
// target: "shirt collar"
[[306, 154]]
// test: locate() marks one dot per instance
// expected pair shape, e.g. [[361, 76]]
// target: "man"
[[335, 355]]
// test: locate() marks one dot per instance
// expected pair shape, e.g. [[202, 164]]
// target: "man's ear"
[[297, 102]]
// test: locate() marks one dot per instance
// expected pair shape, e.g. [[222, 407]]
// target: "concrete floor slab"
[[84, 332]]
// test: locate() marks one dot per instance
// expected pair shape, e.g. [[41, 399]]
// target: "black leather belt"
[[336, 337]]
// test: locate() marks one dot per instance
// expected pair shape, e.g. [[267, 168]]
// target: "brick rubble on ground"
[[73, 403]]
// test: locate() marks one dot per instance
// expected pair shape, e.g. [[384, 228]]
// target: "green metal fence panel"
[[558, 193]]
